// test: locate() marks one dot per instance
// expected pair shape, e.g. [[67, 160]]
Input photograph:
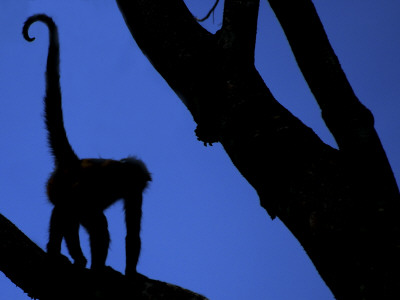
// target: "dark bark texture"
[[341, 204]]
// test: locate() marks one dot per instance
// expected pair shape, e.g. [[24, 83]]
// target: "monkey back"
[[102, 181]]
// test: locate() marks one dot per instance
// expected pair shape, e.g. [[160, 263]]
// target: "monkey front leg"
[[133, 216], [132, 248]]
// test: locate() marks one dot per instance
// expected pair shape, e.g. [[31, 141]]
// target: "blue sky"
[[203, 228]]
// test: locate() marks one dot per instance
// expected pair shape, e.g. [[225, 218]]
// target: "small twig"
[[209, 13]]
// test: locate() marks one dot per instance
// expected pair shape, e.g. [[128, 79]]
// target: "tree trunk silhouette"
[[341, 204]]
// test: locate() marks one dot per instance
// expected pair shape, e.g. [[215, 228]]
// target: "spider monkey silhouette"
[[81, 189]]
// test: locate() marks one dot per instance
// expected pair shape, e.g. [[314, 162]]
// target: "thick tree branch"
[[319, 64], [376, 195], [224, 95], [350, 122], [239, 29], [201, 68], [29, 267]]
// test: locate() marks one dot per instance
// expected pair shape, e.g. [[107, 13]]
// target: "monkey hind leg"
[[56, 231], [73, 243], [64, 224], [97, 228]]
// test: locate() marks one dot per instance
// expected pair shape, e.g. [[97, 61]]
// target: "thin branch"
[[209, 13]]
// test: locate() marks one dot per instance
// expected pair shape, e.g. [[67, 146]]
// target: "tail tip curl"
[[32, 19]]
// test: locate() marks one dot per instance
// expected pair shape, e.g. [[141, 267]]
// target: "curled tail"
[[60, 147]]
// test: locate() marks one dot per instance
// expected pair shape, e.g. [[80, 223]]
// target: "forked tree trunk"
[[341, 204]]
